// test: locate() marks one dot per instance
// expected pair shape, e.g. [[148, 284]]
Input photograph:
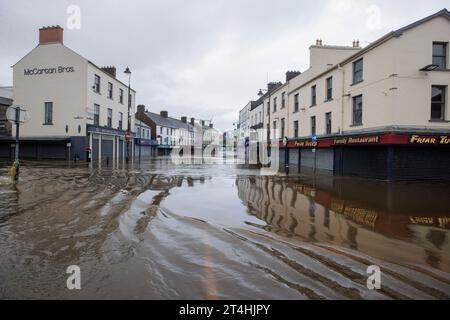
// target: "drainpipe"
[[342, 99]]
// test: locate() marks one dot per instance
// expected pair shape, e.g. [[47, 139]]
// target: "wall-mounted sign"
[[425, 140], [306, 144], [357, 140], [43, 71]]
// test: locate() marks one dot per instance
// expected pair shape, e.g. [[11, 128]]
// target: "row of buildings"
[[76, 109], [380, 111]]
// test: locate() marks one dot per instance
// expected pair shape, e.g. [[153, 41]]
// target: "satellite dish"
[[11, 113]]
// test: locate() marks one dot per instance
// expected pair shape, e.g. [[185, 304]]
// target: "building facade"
[[379, 112], [6, 101], [76, 109]]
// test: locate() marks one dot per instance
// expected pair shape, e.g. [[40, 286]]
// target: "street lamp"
[[128, 72]]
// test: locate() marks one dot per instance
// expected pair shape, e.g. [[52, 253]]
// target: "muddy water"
[[216, 232]]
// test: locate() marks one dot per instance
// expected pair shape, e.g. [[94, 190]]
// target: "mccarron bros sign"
[[383, 139]]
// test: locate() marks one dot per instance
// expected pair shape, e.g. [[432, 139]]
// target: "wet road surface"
[[163, 231]]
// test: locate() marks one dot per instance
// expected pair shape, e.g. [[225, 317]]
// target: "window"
[[96, 114], [328, 122], [440, 55], [358, 68], [295, 129], [438, 94], [120, 120], [313, 95], [48, 117], [160, 130], [268, 108], [357, 110], [110, 90], [296, 103], [275, 129], [283, 100], [97, 83], [275, 104], [282, 128], [329, 88], [109, 124], [121, 96], [167, 131], [313, 125]]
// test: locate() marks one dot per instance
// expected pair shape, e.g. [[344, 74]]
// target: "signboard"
[[429, 140], [11, 113], [51, 70], [314, 139]]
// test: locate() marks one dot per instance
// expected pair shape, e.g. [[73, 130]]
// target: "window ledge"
[[439, 121], [356, 83], [328, 100], [313, 105], [356, 125], [48, 124]]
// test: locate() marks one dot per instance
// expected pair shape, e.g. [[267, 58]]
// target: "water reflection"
[[163, 231], [401, 222]]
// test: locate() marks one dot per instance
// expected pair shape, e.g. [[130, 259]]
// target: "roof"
[[6, 101], [397, 33], [168, 122], [393, 34]]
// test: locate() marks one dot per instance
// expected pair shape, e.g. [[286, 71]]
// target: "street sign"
[[128, 136], [285, 141], [11, 114], [68, 145], [314, 139]]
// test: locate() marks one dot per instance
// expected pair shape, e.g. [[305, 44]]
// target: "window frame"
[[356, 71], [314, 95], [354, 110], [328, 123], [96, 114], [283, 100], [120, 95], [109, 117], [313, 120], [296, 102], [48, 120], [97, 83], [296, 129], [444, 57], [110, 90], [275, 104], [329, 88], [442, 102], [120, 120]]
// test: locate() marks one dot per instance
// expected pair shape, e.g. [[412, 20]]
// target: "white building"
[[71, 102]]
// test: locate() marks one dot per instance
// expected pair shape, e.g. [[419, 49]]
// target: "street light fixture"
[[128, 135]]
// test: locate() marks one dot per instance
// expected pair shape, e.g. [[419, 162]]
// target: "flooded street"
[[217, 232]]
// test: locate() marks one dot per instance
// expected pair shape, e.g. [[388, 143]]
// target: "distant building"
[[6, 94], [165, 133]]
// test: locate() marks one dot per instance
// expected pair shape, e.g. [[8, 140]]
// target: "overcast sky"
[[202, 58]]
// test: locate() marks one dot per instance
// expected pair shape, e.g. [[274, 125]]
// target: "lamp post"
[[128, 72]]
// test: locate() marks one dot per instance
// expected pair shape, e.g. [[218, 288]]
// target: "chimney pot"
[[192, 121], [141, 108], [164, 114], [184, 119], [53, 34], [111, 70]]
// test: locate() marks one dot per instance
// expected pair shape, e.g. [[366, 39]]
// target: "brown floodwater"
[[165, 231]]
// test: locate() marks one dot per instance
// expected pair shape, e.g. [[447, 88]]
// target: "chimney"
[[164, 114], [211, 125], [184, 119], [271, 86], [319, 42], [53, 34], [110, 70], [203, 123], [193, 121], [291, 75], [141, 108], [356, 44]]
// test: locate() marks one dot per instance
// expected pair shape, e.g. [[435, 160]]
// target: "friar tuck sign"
[[42, 71], [430, 140]]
